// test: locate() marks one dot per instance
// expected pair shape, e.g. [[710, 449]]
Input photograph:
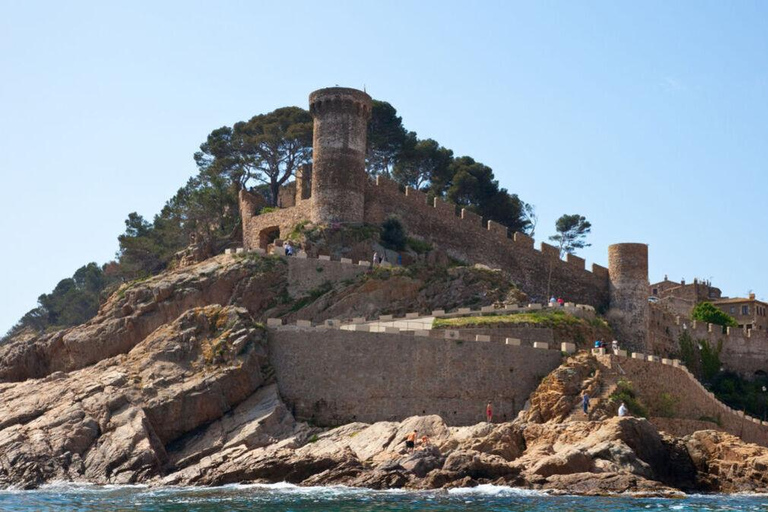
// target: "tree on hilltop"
[[387, 139], [472, 186], [572, 231], [73, 301], [425, 165], [267, 149]]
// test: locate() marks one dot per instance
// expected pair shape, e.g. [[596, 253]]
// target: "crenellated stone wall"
[[332, 377], [465, 237], [742, 351]]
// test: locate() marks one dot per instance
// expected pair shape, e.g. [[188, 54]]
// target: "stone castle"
[[337, 190]]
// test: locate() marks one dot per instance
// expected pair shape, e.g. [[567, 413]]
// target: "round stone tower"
[[628, 312], [338, 154]]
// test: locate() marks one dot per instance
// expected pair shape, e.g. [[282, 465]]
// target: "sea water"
[[289, 498]]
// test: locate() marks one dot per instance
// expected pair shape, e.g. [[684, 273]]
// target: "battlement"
[[741, 350], [338, 99], [341, 193], [652, 375], [469, 237]]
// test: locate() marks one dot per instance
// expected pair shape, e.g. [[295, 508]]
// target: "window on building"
[[655, 291], [733, 310], [744, 310]]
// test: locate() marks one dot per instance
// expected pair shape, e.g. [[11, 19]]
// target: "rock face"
[[138, 309], [725, 464], [166, 386], [404, 290], [110, 423]]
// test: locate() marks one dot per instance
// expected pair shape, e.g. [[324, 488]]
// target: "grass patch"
[[418, 246], [297, 231], [268, 209], [538, 318], [312, 296]]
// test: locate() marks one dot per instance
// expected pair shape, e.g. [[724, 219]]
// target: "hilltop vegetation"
[[261, 155]]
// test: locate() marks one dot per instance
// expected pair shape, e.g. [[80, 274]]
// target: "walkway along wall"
[[333, 377]]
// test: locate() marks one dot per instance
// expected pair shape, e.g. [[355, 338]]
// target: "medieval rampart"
[[334, 376], [670, 388], [464, 236], [742, 351]]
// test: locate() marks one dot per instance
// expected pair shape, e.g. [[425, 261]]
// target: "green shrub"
[[625, 393], [710, 359], [700, 356], [393, 235], [667, 405], [268, 209], [419, 246]]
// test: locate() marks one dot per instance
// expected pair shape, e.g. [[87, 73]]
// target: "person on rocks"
[[552, 301], [560, 302], [288, 249], [585, 403], [489, 412], [615, 346], [375, 259], [623, 411], [424, 441], [410, 442]]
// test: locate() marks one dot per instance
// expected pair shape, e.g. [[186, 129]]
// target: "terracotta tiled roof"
[[736, 300]]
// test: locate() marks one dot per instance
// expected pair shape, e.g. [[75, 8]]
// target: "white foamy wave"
[[496, 490], [66, 486]]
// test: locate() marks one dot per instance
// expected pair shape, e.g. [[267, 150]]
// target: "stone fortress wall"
[[332, 377], [655, 380], [342, 193], [341, 375], [467, 237], [744, 351]]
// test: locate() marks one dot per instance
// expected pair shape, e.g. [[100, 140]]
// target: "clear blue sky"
[[650, 118]]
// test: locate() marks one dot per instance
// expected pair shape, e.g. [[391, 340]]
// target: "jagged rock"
[[423, 461], [478, 465], [138, 309], [601, 484], [110, 423], [505, 440], [726, 464]]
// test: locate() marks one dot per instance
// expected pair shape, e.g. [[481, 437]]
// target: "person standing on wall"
[[489, 412], [622, 410]]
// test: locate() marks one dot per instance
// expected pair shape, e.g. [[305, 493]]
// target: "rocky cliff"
[[171, 384]]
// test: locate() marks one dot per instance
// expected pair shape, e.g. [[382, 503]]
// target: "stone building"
[[336, 191], [682, 297], [749, 312]]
